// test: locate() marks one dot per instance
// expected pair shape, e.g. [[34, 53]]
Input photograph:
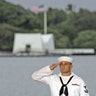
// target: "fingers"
[[53, 66]]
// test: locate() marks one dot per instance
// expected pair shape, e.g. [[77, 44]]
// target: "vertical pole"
[[45, 21]]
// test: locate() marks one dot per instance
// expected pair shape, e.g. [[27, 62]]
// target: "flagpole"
[[45, 21]]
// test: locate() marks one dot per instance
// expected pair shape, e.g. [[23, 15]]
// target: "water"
[[15, 74]]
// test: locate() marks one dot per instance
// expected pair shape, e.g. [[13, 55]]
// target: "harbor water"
[[15, 74]]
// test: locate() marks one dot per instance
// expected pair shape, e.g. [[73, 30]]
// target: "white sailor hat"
[[65, 58]]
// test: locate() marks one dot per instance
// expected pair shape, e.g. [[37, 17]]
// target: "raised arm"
[[43, 74]]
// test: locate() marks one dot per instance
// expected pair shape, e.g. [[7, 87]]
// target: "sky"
[[59, 4]]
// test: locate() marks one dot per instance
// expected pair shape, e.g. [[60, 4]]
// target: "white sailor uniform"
[[76, 86]]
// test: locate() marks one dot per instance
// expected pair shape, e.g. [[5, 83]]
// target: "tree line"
[[71, 29]]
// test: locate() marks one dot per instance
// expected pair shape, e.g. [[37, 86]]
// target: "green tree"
[[55, 16], [85, 20], [62, 42], [2, 2], [85, 39], [67, 29], [7, 36]]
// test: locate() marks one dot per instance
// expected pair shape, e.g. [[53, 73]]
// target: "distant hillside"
[[71, 29]]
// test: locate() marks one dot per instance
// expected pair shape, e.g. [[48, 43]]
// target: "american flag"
[[38, 8]]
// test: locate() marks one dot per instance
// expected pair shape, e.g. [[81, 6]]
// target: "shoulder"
[[54, 77], [79, 79]]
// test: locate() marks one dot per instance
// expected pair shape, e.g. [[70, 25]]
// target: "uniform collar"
[[72, 74]]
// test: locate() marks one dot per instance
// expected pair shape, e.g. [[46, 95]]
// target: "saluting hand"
[[53, 66]]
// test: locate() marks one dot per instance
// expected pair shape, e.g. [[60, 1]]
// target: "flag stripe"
[[37, 8]]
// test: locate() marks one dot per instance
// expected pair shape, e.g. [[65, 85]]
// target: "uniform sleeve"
[[42, 75], [84, 90]]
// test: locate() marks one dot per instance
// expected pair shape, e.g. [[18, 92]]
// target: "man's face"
[[65, 67]]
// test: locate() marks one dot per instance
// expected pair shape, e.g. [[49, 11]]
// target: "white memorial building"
[[33, 43]]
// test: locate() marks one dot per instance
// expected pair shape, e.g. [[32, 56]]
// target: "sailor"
[[66, 83]]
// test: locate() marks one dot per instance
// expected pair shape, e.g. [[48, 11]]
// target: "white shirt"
[[76, 87]]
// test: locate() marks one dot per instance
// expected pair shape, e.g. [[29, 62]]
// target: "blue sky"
[[59, 4]]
